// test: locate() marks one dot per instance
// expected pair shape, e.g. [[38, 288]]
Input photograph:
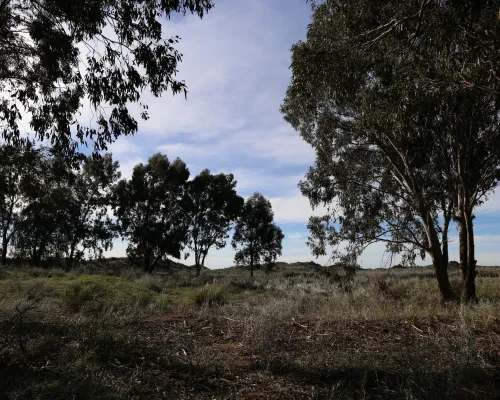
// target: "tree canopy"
[[151, 210], [58, 211], [256, 237], [57, 55], [214, 207], [401, 144]]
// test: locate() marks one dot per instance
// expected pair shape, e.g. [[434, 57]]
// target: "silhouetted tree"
[[214, 206], [151, 210], [41, 230], [256, 237], [16, 171], [90, 228], [64, 210]]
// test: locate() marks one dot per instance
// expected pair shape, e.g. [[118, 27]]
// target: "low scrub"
[[88, 296], [211, 295]]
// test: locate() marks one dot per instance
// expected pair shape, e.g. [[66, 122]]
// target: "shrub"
[[380, 286], [37, 272], [152, 282], [211, 295], [37, 289], [248, 285], [80, 296]]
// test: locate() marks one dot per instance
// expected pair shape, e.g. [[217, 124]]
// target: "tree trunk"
[[446, 258], [202, 263], [36, 258], [251, 265], [147, 263], [197, 263], [469, 281], [462, 236], [70, 261], [4, 249], [438, 261]]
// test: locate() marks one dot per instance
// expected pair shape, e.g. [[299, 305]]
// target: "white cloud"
[[123, 146], [263, 181], [294, 209], [127, 166], [294, 236], [491, 205]]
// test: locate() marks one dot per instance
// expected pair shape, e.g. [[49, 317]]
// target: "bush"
[[81, 296], [37, 290], [248, 285], [152, 282], [211, 295], [37, 272]]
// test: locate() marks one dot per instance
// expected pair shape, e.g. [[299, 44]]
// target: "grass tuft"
[[211, 295]]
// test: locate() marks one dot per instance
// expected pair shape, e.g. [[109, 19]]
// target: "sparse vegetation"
[[399, 101], [288, 333]]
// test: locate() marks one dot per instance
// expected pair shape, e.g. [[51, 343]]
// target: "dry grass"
[[291, 333]]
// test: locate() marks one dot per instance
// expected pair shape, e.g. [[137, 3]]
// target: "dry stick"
[[302, 326], [231, 319]]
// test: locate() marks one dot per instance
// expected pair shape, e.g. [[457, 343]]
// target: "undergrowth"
[[290, 333]]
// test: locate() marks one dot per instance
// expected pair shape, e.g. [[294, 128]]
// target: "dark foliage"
[[214, 207], [56, 55], [151, 210], [257, 238]]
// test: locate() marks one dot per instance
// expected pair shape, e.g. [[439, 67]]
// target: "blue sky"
[[236, 65]]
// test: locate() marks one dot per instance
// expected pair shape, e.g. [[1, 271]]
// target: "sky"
[[236, 66]]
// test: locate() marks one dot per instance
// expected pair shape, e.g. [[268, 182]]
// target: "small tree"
[[214, 206], [151, 210], [258, 238]]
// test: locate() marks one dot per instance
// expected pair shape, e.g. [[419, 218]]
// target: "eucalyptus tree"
[[470, 24], [45, 219], [384, 113], [16, 172], [214, 207], [256, 237], [470, 132], [57, 55], [90, 228], [151, 210]]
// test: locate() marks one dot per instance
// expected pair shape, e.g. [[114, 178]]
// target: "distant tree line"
[[57, 212]]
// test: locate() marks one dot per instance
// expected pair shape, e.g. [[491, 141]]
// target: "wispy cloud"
[[294, 236]]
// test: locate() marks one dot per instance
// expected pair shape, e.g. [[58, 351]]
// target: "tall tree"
[[16, 170], [151, 210], [90, 227], [256, 237], [55, 54], [214, 206], [471, 122], [45, 220], [374, 111]]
